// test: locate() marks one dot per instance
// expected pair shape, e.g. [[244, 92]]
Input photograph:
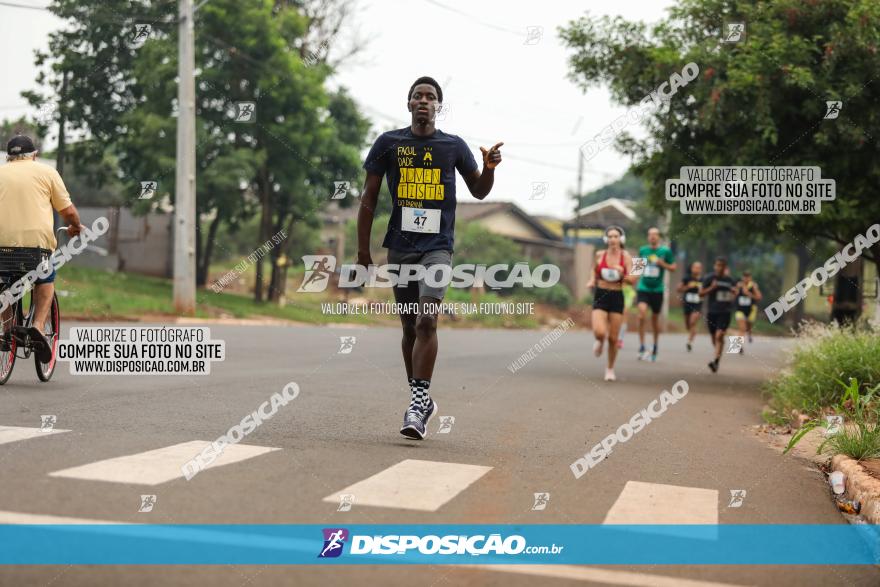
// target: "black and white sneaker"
[[415, 421]]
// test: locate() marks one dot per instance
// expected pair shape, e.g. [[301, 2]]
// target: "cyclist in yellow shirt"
[[29, 191]]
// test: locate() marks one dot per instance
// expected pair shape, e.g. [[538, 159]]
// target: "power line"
[[475, 140], [14, 5], [475, 19]]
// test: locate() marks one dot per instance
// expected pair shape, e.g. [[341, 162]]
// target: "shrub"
[[555, 295], [821, 357], [859, 437]]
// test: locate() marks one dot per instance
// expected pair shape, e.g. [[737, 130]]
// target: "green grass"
[[859, 437], [97, 294], [860, 443], [821, 357]]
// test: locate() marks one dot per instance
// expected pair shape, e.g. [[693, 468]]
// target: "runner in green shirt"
[[650, 288]]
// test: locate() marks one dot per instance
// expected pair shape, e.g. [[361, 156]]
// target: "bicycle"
[[15, 263]]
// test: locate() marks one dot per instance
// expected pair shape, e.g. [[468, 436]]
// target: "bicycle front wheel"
[[52, 330]]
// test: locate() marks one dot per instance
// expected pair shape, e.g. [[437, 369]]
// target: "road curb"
[[860, 485]]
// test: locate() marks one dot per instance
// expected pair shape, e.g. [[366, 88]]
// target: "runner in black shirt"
[[719, 287], [692, 304], [419, 162], [747, 297]]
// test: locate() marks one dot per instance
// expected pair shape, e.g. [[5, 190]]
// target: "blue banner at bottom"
[[209, 544]]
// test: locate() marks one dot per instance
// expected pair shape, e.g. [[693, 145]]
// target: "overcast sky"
[[499, 84]]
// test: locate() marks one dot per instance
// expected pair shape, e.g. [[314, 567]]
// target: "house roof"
[[622, 206], [466, 211]]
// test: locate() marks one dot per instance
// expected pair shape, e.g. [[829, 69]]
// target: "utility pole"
[[185, 181], [580, 180]]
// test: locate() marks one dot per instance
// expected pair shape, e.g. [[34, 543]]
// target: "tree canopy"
[[760, 101]]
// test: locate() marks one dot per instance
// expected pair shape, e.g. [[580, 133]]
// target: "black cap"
[[20, 145]]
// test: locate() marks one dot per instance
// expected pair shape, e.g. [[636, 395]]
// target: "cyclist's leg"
[[43, 292], [42, 300]]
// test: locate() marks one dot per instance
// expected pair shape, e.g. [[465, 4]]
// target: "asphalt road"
[[527, 426]]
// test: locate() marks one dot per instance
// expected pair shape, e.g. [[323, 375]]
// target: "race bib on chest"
[[723, 296], [610, 274], [692, 298], [652, 271], [420, 220], [745, 301]]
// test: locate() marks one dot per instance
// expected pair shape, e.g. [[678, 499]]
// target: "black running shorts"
[[717, 321], [653, 299], [609, 300]]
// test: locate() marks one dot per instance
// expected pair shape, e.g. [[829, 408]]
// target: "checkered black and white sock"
[[420, 399]]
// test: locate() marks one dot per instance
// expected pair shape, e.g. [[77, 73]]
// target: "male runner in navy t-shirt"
[[419, 163]]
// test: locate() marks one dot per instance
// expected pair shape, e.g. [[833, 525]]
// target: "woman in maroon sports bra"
[[611, 267]]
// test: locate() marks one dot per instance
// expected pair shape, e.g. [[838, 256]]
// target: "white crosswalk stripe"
[[654, 503], [413, 485], [598, 575], [161, 465], [16, 433], [25, 518]]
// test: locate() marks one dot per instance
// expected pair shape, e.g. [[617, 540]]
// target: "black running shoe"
[[714, 366], [415, 421], [690, 347]]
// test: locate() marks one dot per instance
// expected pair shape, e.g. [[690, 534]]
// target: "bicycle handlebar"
[[99, 250]]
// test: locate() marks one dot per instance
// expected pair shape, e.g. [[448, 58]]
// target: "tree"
[[280, 165], [627, 187], [19, 126], [756, 102], [85, 75]]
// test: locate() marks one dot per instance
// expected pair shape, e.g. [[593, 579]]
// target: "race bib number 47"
[[420, 220]]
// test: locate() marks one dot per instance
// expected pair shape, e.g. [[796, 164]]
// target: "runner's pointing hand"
[[492, 157]]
